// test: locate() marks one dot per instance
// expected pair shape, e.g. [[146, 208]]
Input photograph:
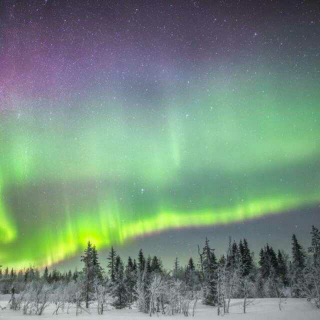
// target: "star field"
[[122, 119]]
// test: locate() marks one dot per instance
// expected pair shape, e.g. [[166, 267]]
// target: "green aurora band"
[[97, 169]]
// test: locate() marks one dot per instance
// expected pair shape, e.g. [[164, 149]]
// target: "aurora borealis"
[[120, 119]]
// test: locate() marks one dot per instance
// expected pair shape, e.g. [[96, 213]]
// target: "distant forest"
[[145, 283]]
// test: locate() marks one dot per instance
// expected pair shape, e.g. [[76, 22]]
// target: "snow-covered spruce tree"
[[231, 274], [54, 276], [178, 272], [29, 275], [268, 278], [311, 284], [209, 266], [119, 288], [191, 277], [130, 280], [91, 272], [141, 261], [68, 276], [75, 275], [297, 268], [278, 281], [148, 264], [264, 264], [246, 259], [45, 274], [246, 277], [273, 285], [314, 249], [261, 278], [176, 268], [111, 264], [282, 272], [6, 282], [156, 265]]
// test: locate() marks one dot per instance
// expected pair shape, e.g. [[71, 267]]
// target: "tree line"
[[145, 283]]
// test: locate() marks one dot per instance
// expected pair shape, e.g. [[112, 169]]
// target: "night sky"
[[154, 124]]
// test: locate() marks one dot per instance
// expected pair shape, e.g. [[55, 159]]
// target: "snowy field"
[[261, 309]]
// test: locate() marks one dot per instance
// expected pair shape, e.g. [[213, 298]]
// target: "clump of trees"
[[144, 282]]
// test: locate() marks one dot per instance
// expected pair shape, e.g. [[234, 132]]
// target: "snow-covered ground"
[[261, 309]]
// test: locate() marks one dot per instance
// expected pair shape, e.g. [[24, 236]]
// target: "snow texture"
[[260, 309]]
